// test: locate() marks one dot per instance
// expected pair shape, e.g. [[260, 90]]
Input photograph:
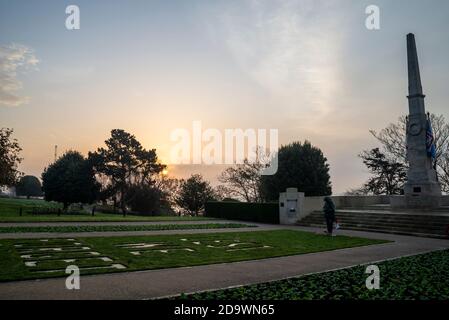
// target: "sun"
[[164, 172]]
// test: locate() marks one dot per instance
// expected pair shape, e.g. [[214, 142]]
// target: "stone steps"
[[419, 224], [440, 229], [399, 232], [368, 210], [383, 218], [379, 228], [386, 218], [389, 220]]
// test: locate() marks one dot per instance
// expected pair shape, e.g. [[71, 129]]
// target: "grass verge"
[[10, 212], [157, 252]]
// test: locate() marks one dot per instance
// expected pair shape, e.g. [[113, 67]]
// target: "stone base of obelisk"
[[418, 196]]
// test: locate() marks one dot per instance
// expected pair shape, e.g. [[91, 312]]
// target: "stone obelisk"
[[422, 189]]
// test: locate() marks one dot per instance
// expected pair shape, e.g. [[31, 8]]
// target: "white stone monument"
[[291, 204], [422, 189]]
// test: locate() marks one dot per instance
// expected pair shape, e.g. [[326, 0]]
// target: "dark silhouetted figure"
[[329, 214]]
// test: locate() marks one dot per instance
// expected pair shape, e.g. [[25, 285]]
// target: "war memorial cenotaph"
[[421, 210], [422, 190]]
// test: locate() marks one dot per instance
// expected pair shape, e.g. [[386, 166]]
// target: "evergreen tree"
[[302, 166], [29, 186], [70, 180]]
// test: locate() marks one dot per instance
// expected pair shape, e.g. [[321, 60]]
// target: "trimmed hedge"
[[245, 211]]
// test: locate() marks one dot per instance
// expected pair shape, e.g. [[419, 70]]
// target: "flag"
[[406, 137], [430, 141]]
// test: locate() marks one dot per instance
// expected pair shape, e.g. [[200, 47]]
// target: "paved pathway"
[[49, 235], [165, 282]]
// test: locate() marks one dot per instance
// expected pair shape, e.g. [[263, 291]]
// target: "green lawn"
[[10, 208], [116, 228], [420, 277], [49, 257]]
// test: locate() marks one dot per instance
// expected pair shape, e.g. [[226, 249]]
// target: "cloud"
[[290, 48], [14, 58]]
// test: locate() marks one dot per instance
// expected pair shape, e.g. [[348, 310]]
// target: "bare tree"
[[388, 175], [393, 140], [169, 188], [243, 181], [361, 191], [443, 168]]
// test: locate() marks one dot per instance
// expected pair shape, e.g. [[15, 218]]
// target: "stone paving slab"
[[166, 282]]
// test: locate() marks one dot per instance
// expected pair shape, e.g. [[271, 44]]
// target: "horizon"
[[310, 69]]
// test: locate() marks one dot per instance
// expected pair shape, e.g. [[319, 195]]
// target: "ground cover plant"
[[41, 258], [419, 277]]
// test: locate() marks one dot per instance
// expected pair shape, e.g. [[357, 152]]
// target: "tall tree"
[[242, 181], [29, 186], [193, 194], [169, 188], [125, 163], [70, 180], [388, 175], [9, 158], [393, 141], [302, 166], [144, 198]]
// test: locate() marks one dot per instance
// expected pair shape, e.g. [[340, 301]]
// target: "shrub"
[[144, 199], [302, 166], [245, 211], [193, 194], [29, 186]]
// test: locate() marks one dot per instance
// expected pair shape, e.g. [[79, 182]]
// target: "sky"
[[309, 68]]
